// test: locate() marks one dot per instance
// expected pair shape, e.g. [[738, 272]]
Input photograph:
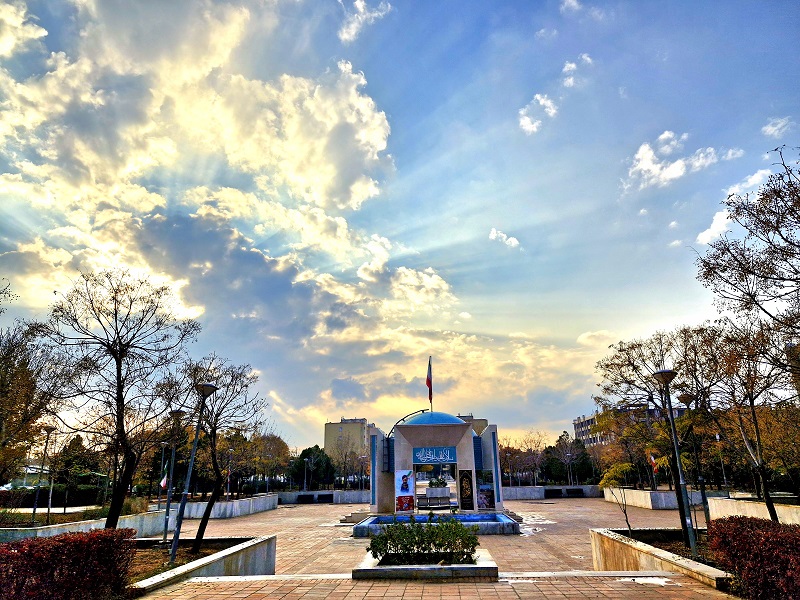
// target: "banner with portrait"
[[404, 486]]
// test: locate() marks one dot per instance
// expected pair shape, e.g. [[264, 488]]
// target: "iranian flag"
[[429, 381], [163, 483]]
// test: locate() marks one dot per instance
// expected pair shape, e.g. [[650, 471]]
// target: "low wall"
[[145, 524], [612, 551], [724, 507], [235, 508], [324, 496], [659, 500], [254, 556], [539, 492]]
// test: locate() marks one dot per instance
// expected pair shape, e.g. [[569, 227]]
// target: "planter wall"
[[660, 500], [724, 507], [146, 524], [437, 492], [484, 567], [324, 496], [539, 492], [234, 508], [612, 551], [254, 556]]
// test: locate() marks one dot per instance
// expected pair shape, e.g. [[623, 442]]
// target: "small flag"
[[429, 381], [164, 481], [653, 464]]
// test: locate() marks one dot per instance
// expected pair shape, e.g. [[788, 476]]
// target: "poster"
[[404, 486], [466, 492]]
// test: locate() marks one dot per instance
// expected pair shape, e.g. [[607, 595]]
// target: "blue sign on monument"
[[430, 455]]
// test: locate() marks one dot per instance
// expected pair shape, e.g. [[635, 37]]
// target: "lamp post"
[[205, 390], [230, 462], [305, 470], [569, 468], [176, 416], [49, 429], [722, 464], [664, 377]]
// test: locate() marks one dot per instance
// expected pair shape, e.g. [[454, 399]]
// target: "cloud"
[[601, 338], [16, 30], [570, 69], [501, 237], [362, 15], [651, 167], [676, 243], [719, 225], [733, 153], [673, 225], [778, 127], [529, 124], [546, 34], [570, 6], [749, 183]]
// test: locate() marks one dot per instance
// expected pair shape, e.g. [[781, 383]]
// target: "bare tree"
[[120, 336], [233, 408]]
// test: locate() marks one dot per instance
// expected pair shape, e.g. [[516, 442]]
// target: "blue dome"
[[433, 418]]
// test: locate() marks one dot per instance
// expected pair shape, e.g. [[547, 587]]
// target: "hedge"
[[81, 495], [66, 567], [418, 541], [764, 556]]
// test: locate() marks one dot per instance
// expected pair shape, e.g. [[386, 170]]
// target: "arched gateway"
[[435, 444]]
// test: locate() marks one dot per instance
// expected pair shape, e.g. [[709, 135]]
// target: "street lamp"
[[305, 470], [49, 429], [664, 377], [205, 390], [176, 416], [569, 467], [230, 462]]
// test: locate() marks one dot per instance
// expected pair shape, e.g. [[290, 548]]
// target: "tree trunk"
[[201, 529], [762, 474], [120, 490]]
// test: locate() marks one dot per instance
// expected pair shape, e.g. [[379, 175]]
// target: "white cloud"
[[568, 82], [528, 123], [733, 153], [643, 212], [569, 67], [511, 242], [676, 243], [777, 127], [650, 168], [586, 59], [362, 15], [570, 6], [719, 225], [749, 183], [464, 315], [601, 338], [546, 34], [16, 31], [673, 225]]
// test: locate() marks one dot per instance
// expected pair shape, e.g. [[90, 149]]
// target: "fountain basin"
[[488, 523]]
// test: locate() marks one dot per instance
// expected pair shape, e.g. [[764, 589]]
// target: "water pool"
[[488, 523]]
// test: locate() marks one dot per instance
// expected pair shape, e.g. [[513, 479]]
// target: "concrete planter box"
[[540, 492], [437, 492], [253, 556], [234, 508], [655, 500], [724, 507], [324, 496], [145, 524], [484, 567], [614, 551]]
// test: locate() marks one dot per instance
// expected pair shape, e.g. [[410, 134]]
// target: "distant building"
[[638, 413], [353, 429]]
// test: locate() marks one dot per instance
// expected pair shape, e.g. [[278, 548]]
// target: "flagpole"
[[429, 383]]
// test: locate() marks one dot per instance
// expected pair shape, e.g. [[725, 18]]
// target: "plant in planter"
[[417, 543], [437, 482]]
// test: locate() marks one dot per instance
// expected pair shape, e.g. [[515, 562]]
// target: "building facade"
[[351, 432]]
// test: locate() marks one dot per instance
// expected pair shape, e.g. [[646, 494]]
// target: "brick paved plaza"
[[551, 559]]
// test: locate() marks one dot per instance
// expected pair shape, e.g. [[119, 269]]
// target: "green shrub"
[[763, 556], [437, 482], [416, 542]]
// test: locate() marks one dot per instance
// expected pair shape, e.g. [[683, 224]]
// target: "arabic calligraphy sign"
[[434, 455]]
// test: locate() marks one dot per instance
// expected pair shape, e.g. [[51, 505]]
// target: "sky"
[[338, 190]]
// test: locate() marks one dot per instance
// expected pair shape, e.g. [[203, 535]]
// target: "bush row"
[[764, 556], [68, 566], [81, 495], [409, 543]]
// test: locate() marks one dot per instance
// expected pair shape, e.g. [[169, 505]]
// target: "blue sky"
[[338, 190]]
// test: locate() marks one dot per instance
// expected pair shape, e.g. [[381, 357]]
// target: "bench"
[[574, 492], [425, 502]]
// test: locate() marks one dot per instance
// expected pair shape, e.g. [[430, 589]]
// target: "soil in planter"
[[679, 548], [148, 562], [428, 558]]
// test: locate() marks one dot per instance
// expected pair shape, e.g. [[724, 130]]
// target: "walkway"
[[551, 559]]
